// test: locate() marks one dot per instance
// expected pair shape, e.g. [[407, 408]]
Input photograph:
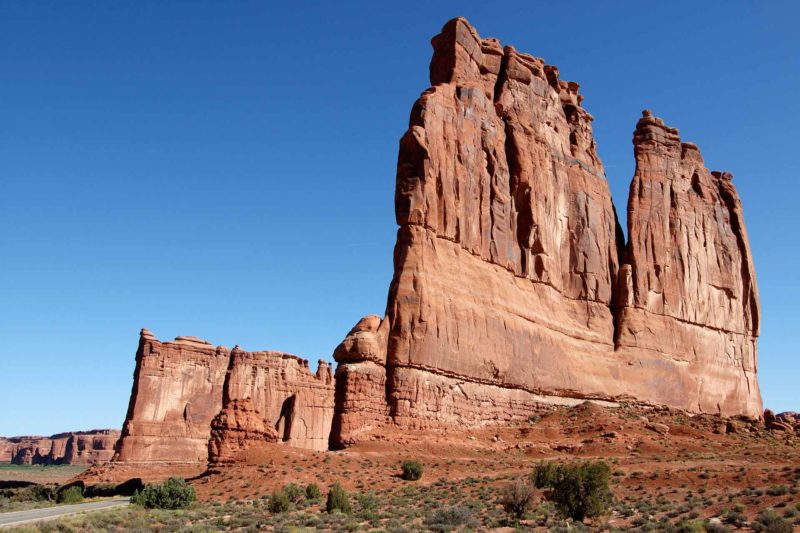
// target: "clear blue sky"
[[226, 169]]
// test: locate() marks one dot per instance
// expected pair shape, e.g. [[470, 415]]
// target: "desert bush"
[[578, 490], [174, 493], [778, 490], [367, 501], [517, 498], [448, 518], [313, 494], [768, 521], [279, 502], [411, 470], [338, 500], [295, 493], [70, 495]]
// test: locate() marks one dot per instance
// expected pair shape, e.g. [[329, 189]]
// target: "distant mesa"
[[513, 285], [77, 447]]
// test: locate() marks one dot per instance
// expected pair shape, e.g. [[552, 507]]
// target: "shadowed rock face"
[[180, 387], [79, 447], [507, 288]]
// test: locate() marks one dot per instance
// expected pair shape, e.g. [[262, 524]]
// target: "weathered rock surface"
[[508, 290], [297, 403], [180, 387], [78, 447], [237, 428], [177, 391], [687, 291]]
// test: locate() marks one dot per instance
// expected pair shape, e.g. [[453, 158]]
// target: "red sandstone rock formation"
[[687, 290], [505, 291], [177, 391], [79, 447], [180, 387], [237, 428], [513, 285]]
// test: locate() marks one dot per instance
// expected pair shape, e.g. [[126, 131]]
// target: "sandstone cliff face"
[[79, 447], [177, 390], [687, 291], [507, 289], [236, 429], [185, 389], [297, 403]]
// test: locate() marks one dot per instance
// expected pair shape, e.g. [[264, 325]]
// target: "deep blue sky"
[[226, 169]]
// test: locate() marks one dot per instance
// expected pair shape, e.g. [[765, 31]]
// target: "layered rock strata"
[[184, 389], [507, 289], [78, 447]]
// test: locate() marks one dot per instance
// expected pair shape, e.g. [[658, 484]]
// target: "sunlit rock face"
[[508, 289], [180, 387]]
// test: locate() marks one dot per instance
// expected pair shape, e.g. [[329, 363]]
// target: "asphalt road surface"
[[19, 518]]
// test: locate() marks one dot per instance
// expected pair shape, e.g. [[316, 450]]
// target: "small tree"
[[338, 500], [411, 470], [578, 490], [174, 493], [279, 502], [313, 493], [517, 498]]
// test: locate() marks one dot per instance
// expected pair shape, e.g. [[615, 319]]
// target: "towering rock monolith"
[[505, 291]]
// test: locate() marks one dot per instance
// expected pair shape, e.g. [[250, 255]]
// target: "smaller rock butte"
[[75, 447], [186, 388]]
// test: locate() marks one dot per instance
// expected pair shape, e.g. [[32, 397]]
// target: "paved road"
[[18, 518]]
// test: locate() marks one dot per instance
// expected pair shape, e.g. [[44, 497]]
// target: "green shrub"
[[338, 500], [411, 470], [295, 493], [70, 495], [313, 494], [778, 490], [768, 521], [174, 493], [578, 490], [279, 502], [517, 498]]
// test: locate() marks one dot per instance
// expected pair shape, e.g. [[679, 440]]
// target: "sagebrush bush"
[[517, 498], [279, 502], [578, 490], [313, 494], [447, 518], [70, 495], [338, 500], [768, 521], [174, 493], [411, 470]]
